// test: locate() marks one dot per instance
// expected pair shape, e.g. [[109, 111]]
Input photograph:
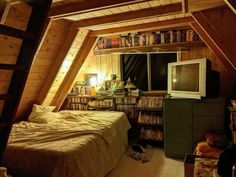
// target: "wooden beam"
[[15, 32], [214, 40], [12, 67], [161, 25], [5, 97], [196, 5], [56, 66], [75, 8], [185, 4], [131, 15], [231, 4], [70, 77]]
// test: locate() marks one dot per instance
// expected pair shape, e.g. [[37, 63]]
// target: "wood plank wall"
[[43, 61], [103, 65], [82, 33], [92, 65]]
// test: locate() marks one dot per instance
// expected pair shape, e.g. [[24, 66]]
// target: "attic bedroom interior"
[[115, 88]]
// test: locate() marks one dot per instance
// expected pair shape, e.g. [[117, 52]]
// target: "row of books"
[[151, 134], [126, 100], [77, 106], [150, 102], [129, 110], [105, 103], [150, 118], [142, 39], [78, 100]]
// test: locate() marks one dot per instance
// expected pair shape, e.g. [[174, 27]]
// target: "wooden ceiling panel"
[[115, 10], [110, 11], [173, 23], [154, 3], [130, 16], [124, 9], [164, 2], [144, 5], [78, 7]]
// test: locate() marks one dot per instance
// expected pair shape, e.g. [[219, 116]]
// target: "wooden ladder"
[[30, 41]]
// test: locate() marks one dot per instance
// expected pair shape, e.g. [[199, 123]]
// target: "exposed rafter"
[[69, 79], [75, 8], [131, 15], [231, 4], [196, 5], [57, 64], [166, 24], [214, 38]]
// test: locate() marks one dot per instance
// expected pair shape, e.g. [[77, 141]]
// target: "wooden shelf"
[[149, 48], [149, 109]]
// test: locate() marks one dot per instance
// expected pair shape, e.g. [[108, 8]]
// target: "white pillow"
[[43, 114], [41, 108]]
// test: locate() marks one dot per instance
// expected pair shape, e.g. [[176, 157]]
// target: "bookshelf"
[[232, 125], [128, 105], [167, 46], [147, 41], [84, 102], [150, 118], [143, 112]]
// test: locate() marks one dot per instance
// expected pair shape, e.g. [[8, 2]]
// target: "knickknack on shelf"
[[147, 39]]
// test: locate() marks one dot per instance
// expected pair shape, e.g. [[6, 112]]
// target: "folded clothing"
[[204, 149]]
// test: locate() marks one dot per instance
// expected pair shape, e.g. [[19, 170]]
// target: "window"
[[148, 71]]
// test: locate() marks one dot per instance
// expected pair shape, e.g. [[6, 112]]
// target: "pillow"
[[41, 108], [43, 114]]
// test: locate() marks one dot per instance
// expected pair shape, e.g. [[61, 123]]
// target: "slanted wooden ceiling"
[[74, 27]]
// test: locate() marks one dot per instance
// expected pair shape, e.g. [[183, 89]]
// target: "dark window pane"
[[159, 64], [135, 67]]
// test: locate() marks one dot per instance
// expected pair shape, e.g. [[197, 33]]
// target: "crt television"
[[192, 79]]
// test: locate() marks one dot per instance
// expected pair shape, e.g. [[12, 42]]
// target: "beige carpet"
[[158, 166]]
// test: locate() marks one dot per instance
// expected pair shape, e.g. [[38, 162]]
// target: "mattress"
[[85, 144]]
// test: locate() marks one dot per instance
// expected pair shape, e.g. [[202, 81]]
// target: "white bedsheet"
[[87, 144]]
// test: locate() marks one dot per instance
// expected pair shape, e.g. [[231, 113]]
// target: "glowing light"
[[93, 81]]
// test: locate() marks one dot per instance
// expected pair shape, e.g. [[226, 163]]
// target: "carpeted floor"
[[158, 166]]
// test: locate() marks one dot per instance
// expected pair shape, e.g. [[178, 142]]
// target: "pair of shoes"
[[138, 148]]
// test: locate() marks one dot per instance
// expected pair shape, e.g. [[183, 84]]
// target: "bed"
[[78, 144]]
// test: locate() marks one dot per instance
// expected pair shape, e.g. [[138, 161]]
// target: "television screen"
[[185, 77], [192, 79]]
